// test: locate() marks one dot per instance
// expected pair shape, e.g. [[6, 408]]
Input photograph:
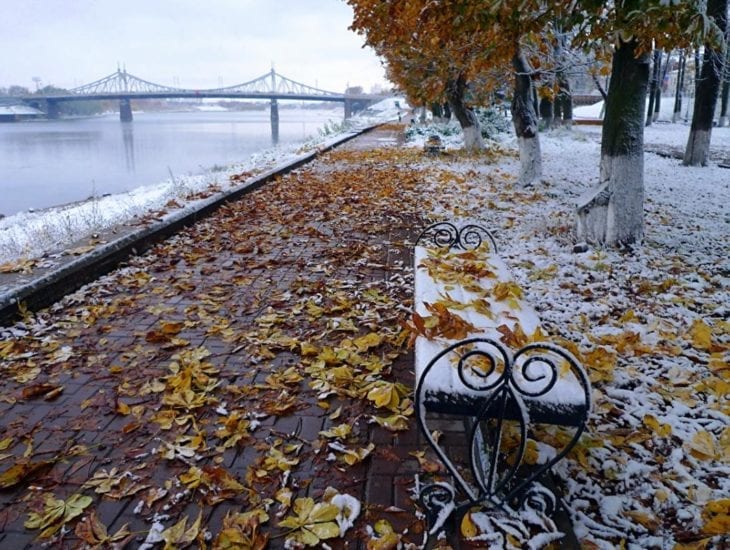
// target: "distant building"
[[11, 110]]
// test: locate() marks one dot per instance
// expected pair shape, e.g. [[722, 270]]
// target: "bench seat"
[[444, 391]]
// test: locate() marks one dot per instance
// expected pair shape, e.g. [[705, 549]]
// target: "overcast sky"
[[187, 43]]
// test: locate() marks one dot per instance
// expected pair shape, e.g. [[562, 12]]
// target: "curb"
[[52, 286]]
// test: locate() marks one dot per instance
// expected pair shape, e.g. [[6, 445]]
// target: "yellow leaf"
[[600, 364], [701, 335], [341, 431], [702, 446], [387, 538], [384, 394], [647, 520], [716, 517], [5, 443], [178, 536], [468, 527], [368, 341], [662, 430]]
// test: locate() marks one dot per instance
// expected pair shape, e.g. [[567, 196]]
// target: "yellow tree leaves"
[[242, 531], [180, 535], [702, 446], [441, 324], [716, 517], [94, 533], [57, 513], [312, 522], [217, 482]]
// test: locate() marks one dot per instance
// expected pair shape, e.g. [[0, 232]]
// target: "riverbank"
[[243, 364]]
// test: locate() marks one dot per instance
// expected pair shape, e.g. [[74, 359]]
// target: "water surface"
[[52, 162]]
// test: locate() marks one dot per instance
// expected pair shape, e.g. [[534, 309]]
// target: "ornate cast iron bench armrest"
[[504, 396]]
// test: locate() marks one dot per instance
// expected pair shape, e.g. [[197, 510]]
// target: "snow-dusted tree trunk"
[[613, 212], [725, 93], [680, 86], [524, 118], [724, 96], [708, 88], [455, 92], [653, 85]]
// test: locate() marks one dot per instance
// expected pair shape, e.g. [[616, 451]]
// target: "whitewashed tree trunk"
[[455, 90], [613, 212], [524, 119], [697, 152]]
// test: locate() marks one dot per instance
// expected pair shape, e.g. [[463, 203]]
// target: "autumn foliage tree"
[[424, 54]]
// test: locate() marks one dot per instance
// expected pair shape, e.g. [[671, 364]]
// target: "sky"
[[185, 43]]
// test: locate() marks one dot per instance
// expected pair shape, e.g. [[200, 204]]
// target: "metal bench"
[[505, 397]]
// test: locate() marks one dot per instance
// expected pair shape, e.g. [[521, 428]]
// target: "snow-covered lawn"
[[651, 326]]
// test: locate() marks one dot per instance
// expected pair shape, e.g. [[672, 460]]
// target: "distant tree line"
[[65, 108]]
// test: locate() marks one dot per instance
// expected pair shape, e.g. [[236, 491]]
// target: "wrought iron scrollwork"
[[438, 499], [503, 388], [447, 235]]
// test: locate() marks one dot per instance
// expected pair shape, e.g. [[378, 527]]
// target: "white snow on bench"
[[443, 378]]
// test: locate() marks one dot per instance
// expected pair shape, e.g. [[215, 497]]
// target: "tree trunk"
[[613, 212], [708, 88], [447, 111], [724, 101], [680, 86], [725, 93], [660, 86], [565, 99], [455, 90], [436, 112], [524, 119], [653, 84], [547, 112]]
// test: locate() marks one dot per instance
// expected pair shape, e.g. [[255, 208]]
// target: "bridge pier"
[[125, 110], [52, 110], [348, 108], [274, 121]]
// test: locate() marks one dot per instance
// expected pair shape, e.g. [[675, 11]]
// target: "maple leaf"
[[370, 340], [23, 470], [104, 481], [341, 432], [95, 533], [384, 394], [702, 446], [241, 531], [311, 523], [234, 430], [515, 337], [393, 423], [179, 536], [56, 513], [716, 517], [352, 456], [384, 536]]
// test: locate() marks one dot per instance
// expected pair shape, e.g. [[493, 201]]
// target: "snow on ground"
[[652, 325], [29, 235]]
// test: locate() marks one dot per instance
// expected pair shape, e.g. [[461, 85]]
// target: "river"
[[46, 163]]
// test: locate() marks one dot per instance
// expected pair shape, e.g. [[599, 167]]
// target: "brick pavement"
[[320, 256]]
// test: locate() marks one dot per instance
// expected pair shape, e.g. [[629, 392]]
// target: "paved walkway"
[[198, 378]]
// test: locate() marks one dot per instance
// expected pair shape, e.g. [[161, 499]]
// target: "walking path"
[[199, 378]]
